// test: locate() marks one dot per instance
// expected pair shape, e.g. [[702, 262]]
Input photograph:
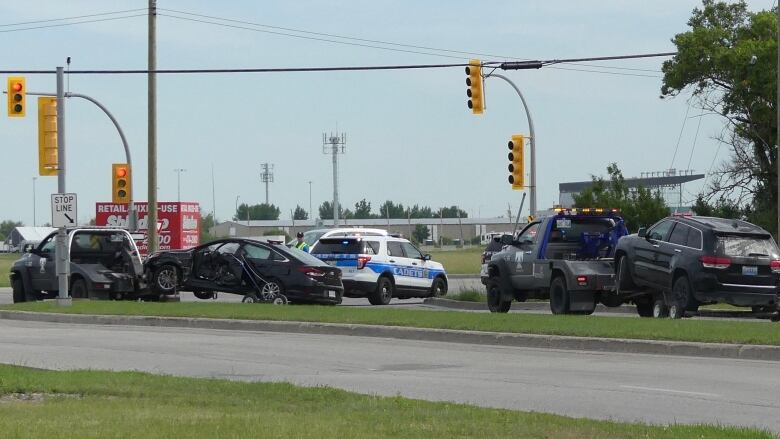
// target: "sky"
[[410, 136]]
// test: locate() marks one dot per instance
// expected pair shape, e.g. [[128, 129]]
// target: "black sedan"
[[257, 270]]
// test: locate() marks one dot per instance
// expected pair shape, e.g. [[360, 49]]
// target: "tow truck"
[[104, 264], [565, 255]]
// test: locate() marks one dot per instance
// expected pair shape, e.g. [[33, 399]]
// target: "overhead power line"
[[76, 17], [71, 23]]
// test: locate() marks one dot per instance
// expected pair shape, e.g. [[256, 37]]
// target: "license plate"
[[331, 293], [749, 270]]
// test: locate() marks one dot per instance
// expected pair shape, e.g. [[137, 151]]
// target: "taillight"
[[311, 271], [775, 266], [362, 261], [582, 280], [716, 262]]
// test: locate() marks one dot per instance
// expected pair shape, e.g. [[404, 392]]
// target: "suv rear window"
[[570, 229], [344, 246], [739, 246]]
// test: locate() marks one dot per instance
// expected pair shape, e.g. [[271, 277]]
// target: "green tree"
[[257, 212], [391, 210], [451, 212], [326, 211], [728, 58], [421, 212], [723, 208], [420, 233], [640, 207], [7, 226], [363, 210], [300, 214], [206, 223]]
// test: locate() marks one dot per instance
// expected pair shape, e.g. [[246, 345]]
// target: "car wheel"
[[383, 292], [271, 290], [17, 286], [681, 297], [79, 289], [660, 309], [559, 296], [166, 279], [644, 306], [249, 299], [495, 301], [203, 295], [280, 300], [624, 281], [439, 287]]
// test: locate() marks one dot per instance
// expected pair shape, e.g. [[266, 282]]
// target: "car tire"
[[624, 280], [165, 279], [559, 296], [439, 287], [644, 306], [383, 292], [203, 295], [272, 287], [79, 289], [681, 297], [660, 310], [17, 286], [495, 301]]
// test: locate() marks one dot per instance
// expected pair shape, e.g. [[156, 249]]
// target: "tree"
[[420, 233], [7, 226], [421, 212], [728, 59], [392, 210], [261, 211], [451, 212], [363, 210], [326, 211], [300, 214], [640, 207], [206, 223], [723, 208]]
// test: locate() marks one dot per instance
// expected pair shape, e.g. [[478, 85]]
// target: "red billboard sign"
[[178, 224]]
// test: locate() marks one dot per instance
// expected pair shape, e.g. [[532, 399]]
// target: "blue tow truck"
[[565, 256]]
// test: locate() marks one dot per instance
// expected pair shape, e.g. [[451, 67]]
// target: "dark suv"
[[682, 262]]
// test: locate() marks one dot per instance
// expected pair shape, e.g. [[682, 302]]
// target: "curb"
[[617, 345]]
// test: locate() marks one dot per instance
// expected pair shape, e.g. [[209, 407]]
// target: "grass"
[[708, 331], [95, 404], [6, 260], [461, 261], [466, 296]]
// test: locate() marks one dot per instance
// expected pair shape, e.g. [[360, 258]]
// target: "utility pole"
[[311, 214], [335, 145], [151, 215], [267, 176], [62, 253], [178, 172], [777, 111], [34, 216]]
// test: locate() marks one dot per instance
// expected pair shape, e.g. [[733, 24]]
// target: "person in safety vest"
[[301, 244]]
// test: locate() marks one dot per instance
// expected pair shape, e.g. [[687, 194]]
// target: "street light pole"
[[310, 211], [178, 172], [34, 216], [238, 218]]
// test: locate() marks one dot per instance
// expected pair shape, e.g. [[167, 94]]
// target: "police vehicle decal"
[[419, 272]]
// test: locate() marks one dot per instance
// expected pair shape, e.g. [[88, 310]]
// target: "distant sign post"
[[63, 210]]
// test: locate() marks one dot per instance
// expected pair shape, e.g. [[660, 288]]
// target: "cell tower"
[[266, 176], [334, 145]]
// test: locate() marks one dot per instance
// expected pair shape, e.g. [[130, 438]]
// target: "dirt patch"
[[34, 397]]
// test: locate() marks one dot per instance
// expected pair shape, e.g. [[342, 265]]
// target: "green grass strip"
[[95, 404], [710, 331]]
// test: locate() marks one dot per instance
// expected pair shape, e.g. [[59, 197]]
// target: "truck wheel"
[[17, 286], [79, 289], [383, 292], [624, 281], [660, 309], [495, 301], [644, 306], [165, 279], [681, 297], [559, 296], [439, 287]]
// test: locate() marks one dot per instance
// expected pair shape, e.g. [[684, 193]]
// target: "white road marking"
[[682, 392]]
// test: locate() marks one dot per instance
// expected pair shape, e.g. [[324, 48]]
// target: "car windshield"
[[304, 257], [740, 246]]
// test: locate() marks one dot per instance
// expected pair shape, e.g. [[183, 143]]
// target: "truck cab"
[[565, 256]]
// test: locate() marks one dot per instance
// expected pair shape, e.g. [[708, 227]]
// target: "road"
[[624, 387]]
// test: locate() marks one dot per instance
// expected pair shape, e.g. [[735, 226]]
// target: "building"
[[668, 182], [465, 229], [22, 238]]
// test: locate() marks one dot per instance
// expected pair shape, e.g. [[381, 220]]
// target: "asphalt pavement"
[[625, 387]]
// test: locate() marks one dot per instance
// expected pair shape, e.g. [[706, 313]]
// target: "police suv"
[[382, 267]]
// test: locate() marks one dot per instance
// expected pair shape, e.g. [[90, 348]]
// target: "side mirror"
[[426, 257], [642, 232]]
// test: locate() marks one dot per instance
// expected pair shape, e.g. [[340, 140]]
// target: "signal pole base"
[[64, 301]]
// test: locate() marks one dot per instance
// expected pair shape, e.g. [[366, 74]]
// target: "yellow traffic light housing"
[[120, 183], [516, 163], [474, 82], [17, 96], [48, 160]]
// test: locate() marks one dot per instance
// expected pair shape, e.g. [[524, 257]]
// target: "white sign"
[[63, 210]]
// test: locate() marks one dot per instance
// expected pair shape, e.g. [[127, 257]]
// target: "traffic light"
[[47, 136], [474, 82], [17, 96], [516, 165], [120, 187]]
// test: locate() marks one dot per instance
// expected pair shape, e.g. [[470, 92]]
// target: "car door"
[[42, 264], [419, 266], [400, 264], [646, 252], [266, 262], [669, 252], [522, 263]]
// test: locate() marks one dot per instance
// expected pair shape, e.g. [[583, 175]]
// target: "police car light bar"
[[587, 211]]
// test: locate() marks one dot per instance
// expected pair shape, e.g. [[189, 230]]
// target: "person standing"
[[301, 244]]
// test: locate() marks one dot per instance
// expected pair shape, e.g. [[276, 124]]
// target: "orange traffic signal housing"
[[17, 96], [120, 183], [516, 162]]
